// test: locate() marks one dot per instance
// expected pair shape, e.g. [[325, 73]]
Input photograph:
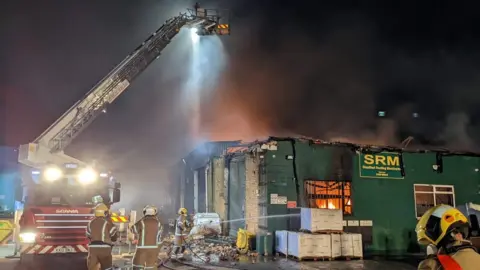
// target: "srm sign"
[[380, 165]]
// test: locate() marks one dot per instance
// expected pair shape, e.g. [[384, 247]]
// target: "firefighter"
[[102, 233], [96, 200], [181, 232], [148, 232], [443, 230]]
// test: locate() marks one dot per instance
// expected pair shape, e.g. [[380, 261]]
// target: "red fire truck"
[[58, 209]]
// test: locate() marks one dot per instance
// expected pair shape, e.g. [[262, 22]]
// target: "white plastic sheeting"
[[315, 219], [352, 245], [206, 224], [322, 245], [281, 242], [300, 245]]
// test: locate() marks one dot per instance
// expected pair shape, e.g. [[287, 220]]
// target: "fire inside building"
[[381, 190]]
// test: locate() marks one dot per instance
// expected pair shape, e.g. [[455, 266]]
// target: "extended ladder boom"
[[49, 145], [80, 115]]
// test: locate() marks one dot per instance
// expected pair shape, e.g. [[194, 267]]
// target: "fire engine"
[[57, 207]]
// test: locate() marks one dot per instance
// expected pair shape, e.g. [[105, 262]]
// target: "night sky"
[[295, 69]]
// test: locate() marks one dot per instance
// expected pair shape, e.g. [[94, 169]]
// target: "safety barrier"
[[116, 218], [7, 231], [126, 237]]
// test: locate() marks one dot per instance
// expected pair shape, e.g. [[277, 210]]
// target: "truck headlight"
[[27, 237], [52, 174], [87, 176]]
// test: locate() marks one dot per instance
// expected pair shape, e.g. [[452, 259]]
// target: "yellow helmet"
[[101, 210], [97, 199], [182, 211], [150, 210], [438, 222]]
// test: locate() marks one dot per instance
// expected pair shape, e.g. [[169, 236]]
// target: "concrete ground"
[[66, 262], [286, 264]]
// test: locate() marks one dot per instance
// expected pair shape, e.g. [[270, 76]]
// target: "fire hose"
[[188, 245]]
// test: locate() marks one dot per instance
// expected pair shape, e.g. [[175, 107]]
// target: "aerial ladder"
[[48, 148]]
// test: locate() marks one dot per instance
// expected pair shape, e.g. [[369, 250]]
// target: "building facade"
[[382, 191], [193, 175]]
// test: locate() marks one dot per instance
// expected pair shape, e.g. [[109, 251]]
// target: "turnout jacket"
[[148, 231], [101, 232]]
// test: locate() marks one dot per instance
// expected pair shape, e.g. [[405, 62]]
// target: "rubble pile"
[[212, 251], [204, 230]]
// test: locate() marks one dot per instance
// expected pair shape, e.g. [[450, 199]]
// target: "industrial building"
[[382, 190]]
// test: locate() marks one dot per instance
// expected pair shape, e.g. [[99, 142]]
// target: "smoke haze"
[[285, 70], [331, 82]]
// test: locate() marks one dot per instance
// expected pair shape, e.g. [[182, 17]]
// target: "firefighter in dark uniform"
[[102, 233], [443, 230], [181, 233], [148, 232]]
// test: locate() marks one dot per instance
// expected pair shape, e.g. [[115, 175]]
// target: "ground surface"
[[65, 262]]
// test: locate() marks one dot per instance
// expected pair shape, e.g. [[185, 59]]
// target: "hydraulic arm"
[[49, 146]]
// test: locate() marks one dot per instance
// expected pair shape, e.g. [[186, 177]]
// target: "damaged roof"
[[267, 144]]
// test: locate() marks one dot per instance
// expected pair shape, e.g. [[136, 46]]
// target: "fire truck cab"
[[58, 208]]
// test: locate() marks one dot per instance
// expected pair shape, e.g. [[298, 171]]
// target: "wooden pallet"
[[323, 232], [348, 258], [328, 232], [309, 258]]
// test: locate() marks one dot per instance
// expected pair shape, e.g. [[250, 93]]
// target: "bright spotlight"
[[87, 176], [52, 174], [28, 237], [193, 35]]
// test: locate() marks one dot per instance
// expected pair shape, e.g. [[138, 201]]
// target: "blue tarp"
[[10, 180]]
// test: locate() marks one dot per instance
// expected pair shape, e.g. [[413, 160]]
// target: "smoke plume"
[[331, 83]]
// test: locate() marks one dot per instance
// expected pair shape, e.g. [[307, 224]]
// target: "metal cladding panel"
[[236, 195], [189, 191], [202, 199], [200, 156], [219, 187]]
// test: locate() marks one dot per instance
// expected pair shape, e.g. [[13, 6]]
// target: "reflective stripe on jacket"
[[101, 232], [466, 258], [148, 231], [181, 226]]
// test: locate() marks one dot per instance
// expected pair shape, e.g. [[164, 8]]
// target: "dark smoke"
[[330, 83]]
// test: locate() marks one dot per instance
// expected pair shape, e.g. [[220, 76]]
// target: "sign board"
[[282, 200], [275, 199], [71, 165], [291, 204], [380, 165], [353, 223], [366, 223]]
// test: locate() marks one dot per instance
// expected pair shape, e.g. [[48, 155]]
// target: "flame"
[[324, 204], [331, 205]]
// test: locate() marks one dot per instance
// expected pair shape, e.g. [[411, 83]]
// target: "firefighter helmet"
[[150, 210], [97, 199], [101, 210], [182, 211], [438, 223]]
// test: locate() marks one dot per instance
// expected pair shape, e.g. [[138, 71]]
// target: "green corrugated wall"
[[389, 203]]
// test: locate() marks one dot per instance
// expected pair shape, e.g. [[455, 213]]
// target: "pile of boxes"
[[321, 237]]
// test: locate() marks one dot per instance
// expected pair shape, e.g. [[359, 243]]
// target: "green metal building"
[[381, 190]]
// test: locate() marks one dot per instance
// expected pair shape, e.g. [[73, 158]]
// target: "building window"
[[428, 196], [329, 194]]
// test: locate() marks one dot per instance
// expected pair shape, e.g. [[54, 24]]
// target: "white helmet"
[[150, 210]]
